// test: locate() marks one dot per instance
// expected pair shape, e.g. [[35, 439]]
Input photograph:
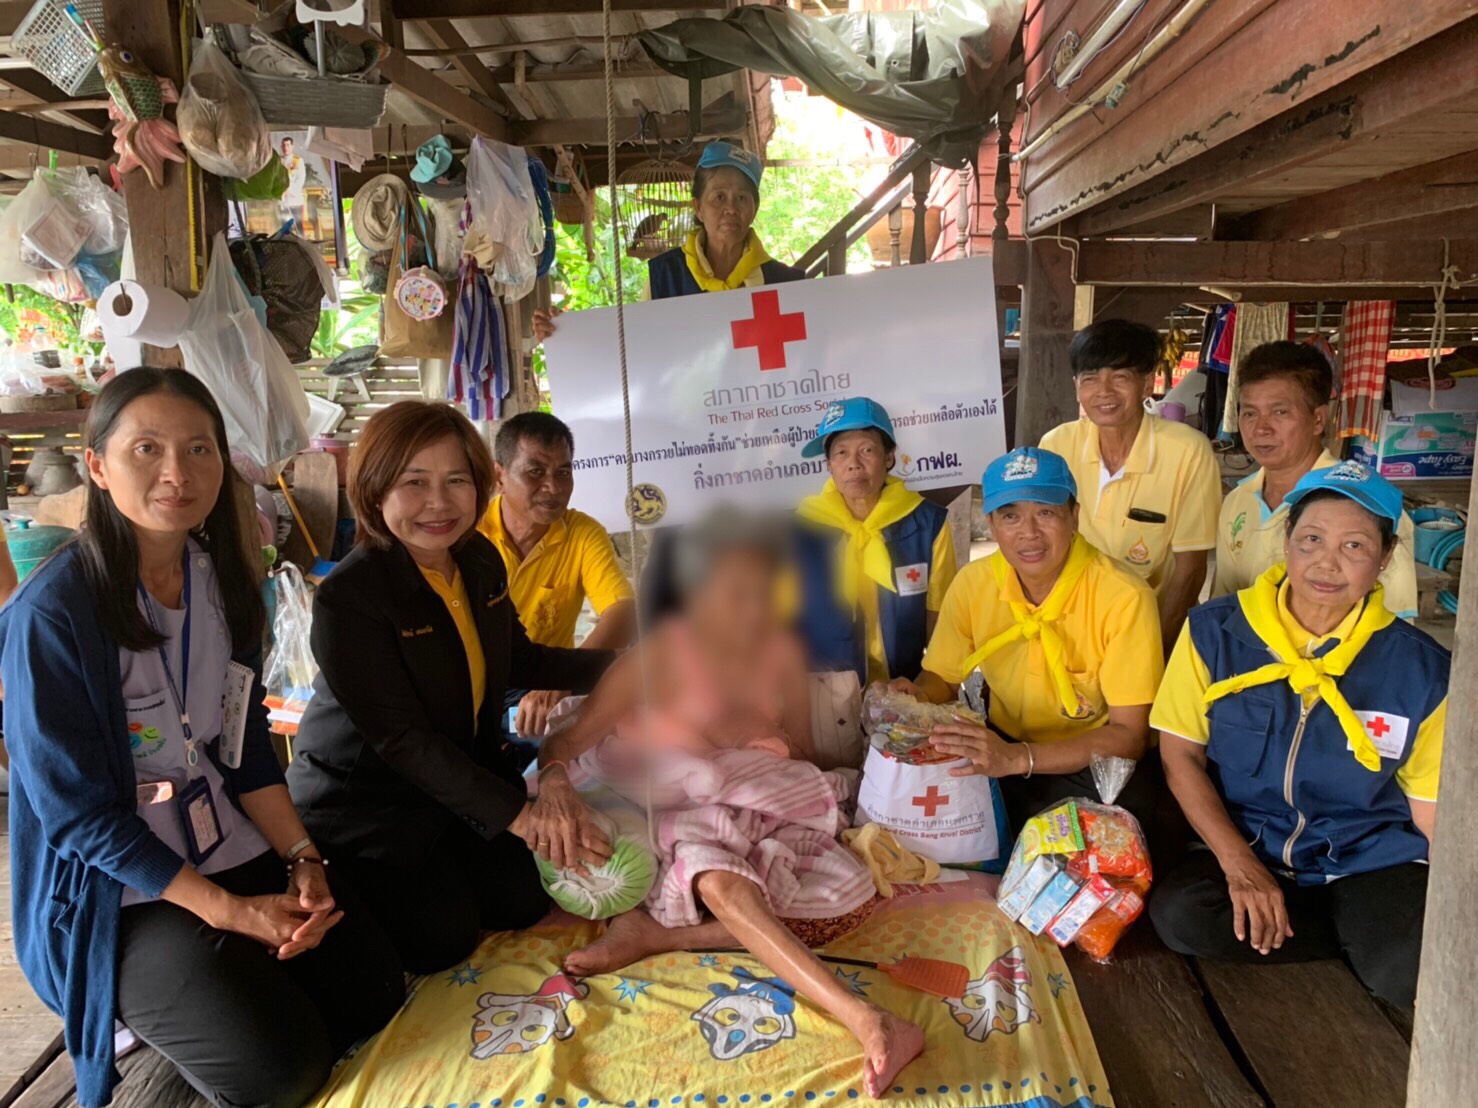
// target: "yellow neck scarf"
[[1031, 625], [753, 257], [1260, 606], [865, 551]]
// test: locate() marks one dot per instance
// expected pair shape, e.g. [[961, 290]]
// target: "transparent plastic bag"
[[290, 668], [1081, 870], [901, 723], [261, 397], [219, 120], [505, 212], [104, 211]]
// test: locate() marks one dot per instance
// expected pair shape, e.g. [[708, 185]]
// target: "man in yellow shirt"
[[555, 556], [1283, 397], [1150, 487], [1067, 639]]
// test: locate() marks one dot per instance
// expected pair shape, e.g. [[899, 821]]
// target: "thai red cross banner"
[[726, 388]]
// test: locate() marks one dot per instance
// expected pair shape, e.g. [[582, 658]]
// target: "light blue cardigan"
[[76, 838]]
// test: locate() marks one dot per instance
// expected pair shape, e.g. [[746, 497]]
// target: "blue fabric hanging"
[[540, 177]]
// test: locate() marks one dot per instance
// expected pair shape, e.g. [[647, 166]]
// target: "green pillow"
[[268, 183], [618, 886]]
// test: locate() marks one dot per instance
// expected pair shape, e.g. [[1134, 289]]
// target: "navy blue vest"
[[835, 638], [669, 275], [1343, 819]]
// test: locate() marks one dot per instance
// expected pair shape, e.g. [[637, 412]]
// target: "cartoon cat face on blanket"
[[511, 1024], [754, 1016], [997, 1000]]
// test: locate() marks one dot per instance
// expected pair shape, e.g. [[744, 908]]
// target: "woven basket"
[[317, 101]]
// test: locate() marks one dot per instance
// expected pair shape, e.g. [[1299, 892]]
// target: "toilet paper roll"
[[133, 313]]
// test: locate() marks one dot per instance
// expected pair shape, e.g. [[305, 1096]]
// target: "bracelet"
[[298, 847], [1031, 761], [307, 862]]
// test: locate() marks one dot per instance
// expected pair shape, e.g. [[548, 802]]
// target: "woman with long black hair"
[[161, 875]]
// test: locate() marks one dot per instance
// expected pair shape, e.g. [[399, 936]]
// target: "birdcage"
[[656, 206]]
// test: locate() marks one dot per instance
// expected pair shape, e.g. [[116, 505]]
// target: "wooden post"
[[1005, 120], [1045, 395], [917, 254], [1444, 1066], [159, 219]]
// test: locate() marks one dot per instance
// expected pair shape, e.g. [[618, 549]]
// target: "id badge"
[[239, 680], [202, 825]]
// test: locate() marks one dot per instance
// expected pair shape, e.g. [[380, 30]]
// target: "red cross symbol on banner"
[[769, 330], [930, 800], [1378, 727], [913, 576]]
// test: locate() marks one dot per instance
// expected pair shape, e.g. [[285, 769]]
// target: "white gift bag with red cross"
[[958, 821]]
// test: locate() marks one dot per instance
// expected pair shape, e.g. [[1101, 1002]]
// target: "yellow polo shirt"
[[1180, 706], [1249, 542], [1170, 471], [1111, 637], [573, 560], [453, 594]]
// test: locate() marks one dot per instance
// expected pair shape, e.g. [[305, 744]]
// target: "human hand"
[[533, 712], [991, 755], [309, 883], [907, 687], [1259, 914], [544, 323], [560, 827], [279, 922]]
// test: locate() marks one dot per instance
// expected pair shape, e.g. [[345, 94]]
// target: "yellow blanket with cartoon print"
[[509, 1030]]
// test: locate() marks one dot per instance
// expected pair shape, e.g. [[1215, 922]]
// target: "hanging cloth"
[[866, 551], [753, 257], [1255, 325], [1317, 675], [1364, 347], [1040, 624]]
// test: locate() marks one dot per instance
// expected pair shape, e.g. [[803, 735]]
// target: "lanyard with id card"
[[194, 802]]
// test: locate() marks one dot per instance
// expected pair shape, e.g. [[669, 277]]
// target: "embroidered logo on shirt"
[[499, 597], [1138, 554], [913, 579], [415, 631], [1236, 540], [1386, 731], [144, 741], [1084, 709]]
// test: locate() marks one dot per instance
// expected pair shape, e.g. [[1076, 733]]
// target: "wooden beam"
[[410, 10], [1045, 395], [469, 66], [32, 84], [41, 106], [16, 158], [420, 84], [716, 123], [38, 132], [1436, 188], [1444, 1065], [1243, 265], [1175, 156]]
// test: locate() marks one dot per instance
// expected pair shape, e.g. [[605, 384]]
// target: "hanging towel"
[[474, 380], [1255, 325], [1364, 345]]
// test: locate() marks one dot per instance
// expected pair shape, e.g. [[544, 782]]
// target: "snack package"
[[1014, 898], [1099, 847], [1049, 902], [901, 723]]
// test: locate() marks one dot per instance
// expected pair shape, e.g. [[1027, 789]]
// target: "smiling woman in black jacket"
[[399, 767]]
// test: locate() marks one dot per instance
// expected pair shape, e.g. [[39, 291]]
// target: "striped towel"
[[770, 819], [477, 379], [1365, 343]]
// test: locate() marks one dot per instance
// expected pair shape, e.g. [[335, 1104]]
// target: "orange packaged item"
[[1097, 937]]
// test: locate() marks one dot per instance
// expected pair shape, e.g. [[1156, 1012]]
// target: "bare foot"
[[888, 1044], [628, 938]]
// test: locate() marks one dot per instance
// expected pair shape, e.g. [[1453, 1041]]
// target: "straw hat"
[[376, 211]]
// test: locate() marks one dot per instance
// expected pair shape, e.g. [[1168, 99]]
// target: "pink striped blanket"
[[771, 819]]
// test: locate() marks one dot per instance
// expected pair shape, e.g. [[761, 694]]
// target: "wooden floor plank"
[[1311, 1033], [1155, 1037], [55, 1087]]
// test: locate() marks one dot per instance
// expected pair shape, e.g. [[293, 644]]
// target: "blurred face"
[[736, 603], [1277, 424], [538, 483], [1334, 554], [728, 205], [433, 502], [1113, 397], [1035, 538], [161, 464], [287, 148], [858, 462]]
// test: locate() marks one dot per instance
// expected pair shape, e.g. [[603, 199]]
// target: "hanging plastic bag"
[[257, 388], [1080, 870], [290, 667], [219, 120], [505, 212], [91, 200]]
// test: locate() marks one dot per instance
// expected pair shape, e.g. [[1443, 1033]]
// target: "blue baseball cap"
[[717, 154], [856, 413], [1360, 483], [1027, 474]]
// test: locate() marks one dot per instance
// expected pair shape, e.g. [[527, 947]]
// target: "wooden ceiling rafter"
[[1318, 264], [414, 10]]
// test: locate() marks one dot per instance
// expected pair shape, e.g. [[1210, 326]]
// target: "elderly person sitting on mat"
[[719, 696]]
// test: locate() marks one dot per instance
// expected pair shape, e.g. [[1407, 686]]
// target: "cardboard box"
[[1431, 444]]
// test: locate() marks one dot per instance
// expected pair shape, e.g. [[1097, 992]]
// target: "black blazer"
[[388, 756]]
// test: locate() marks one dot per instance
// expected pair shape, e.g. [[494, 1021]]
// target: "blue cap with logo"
[[1360, 483], [856, 413], [1027, 474], [718, 154]]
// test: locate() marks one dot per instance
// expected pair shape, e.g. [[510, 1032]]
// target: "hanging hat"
[[433, 159], [376, 211], [717, 154]]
